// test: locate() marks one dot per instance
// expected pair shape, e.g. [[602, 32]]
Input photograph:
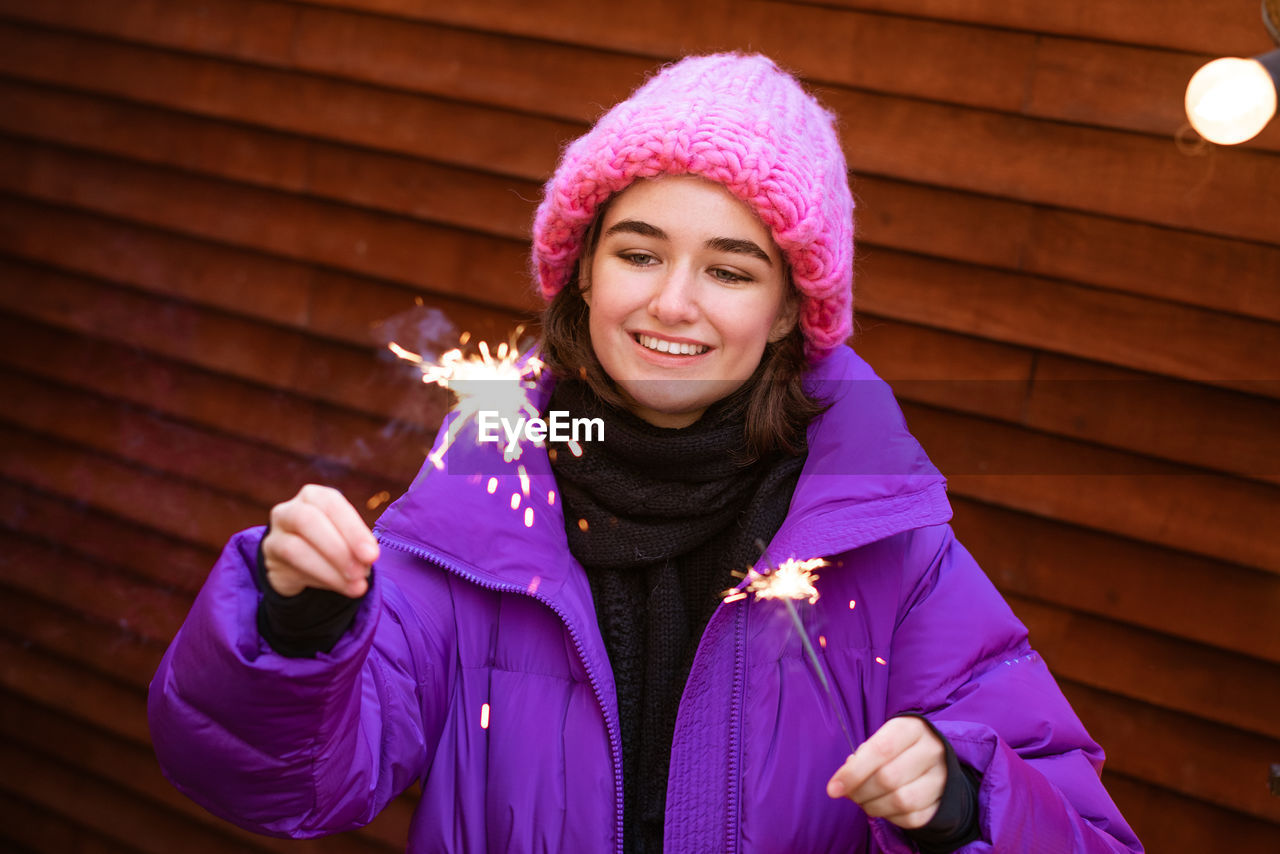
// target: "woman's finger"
[[910, 804], [292, 563], [345, 520], [884, 745]]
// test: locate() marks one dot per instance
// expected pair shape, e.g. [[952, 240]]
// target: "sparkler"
[[472, 381], [788, 582], [498, 381]]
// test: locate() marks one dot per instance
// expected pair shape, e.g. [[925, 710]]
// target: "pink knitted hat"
[[739, 121]]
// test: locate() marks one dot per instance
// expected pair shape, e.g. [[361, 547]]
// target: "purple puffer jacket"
[[473, 610]]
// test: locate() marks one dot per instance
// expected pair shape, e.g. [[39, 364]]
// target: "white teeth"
[[664, 346]]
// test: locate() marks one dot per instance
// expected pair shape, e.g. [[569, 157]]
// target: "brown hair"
[[777, 407]]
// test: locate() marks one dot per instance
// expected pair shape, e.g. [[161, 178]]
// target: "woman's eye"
[[729, 276], [638, 259]]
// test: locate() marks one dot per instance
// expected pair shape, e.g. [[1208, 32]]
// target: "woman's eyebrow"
[[719, 244], [740, 247], [636, 226]]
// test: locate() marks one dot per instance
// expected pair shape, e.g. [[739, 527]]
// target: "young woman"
[[577, 683]]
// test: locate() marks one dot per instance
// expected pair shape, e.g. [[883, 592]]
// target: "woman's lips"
[[654, 344]]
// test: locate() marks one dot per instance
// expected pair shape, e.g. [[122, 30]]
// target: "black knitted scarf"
[[661, 518]]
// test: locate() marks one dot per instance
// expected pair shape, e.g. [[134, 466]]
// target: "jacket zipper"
[[615, 738]]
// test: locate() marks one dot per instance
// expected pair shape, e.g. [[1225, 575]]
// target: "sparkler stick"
[[791, 580]]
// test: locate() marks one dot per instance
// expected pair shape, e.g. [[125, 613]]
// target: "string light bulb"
[[1230, 100]]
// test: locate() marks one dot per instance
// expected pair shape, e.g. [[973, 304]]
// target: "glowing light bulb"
[[1230, 100]]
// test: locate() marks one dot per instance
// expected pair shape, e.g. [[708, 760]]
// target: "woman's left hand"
[[897, 774]]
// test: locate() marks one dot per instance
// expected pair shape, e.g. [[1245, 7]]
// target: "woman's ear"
[[584, 276], [787, 316]]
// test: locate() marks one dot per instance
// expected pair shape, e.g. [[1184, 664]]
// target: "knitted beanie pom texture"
[[739, 121]]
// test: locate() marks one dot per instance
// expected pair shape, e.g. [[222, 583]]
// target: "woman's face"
[[685, 288]]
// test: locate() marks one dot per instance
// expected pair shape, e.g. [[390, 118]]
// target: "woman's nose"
[[675, 300]]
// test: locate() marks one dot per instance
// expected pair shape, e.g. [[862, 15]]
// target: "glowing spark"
[[822, 641], [533, 584], [528, 517], [880, 660], [407, 355], [515, 501], [574, 447], [471, 379], [582, 524], [464, 338], [852, 603], [378, 500], [524, 480], [484, 716], [551, 497], [492, 486], [793, 579]]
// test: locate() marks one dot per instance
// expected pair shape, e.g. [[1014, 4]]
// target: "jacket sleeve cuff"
[[300, 626]]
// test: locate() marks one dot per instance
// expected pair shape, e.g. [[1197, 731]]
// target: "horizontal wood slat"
[[1174, 265], [1158, 502], [372, 244], [388, 449], [433, 128], [1167, 821], [1162, 671], [1203, 760], [1226, 26], [1157, 587], [28, 827], [105, 539], [363, 379], [181, 510], [446, 194], [327, 303]]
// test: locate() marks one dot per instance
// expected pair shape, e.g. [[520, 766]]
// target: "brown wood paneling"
[[1170, 264], [1207, 761], [1212, 515], [1224, 26], [1160, 670], [315, 430], [391, 183], [102, 538], [27, 827], [1135, 332], [434, 128], [347, 238], [182, 510], [359, 378], [97, 591], [1167, 821], [1163, 589]]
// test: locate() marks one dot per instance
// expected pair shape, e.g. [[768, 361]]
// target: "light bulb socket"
[[1271, 61]]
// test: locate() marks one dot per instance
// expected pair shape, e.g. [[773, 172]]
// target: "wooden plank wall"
[[209, 211]]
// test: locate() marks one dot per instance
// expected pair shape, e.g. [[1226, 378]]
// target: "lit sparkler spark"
[[471, 379], [792, 580]]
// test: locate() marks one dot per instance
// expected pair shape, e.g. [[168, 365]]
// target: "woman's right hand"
[[317, 539]]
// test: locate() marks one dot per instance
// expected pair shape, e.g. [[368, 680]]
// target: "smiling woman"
[[580, 681]]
